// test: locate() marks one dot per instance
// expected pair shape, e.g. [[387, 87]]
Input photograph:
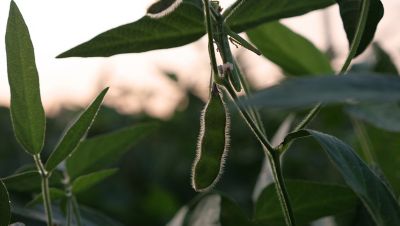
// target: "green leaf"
[[5, 212], [83, 183], [27, 114], [370, 189], [251, 13], [73, 136], [104, 150], [183, 23], [289, 50], [182, 26], [350, 11], [25, 181], [354, 87], [30, 181], [307, 198], [55, 194], [384, 115]]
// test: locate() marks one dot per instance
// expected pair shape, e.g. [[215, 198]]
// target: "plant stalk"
[[247, 114], [353, 50], [45, 189], [273, 156]]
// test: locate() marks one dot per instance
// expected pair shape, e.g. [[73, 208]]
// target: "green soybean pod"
[[213, 142]]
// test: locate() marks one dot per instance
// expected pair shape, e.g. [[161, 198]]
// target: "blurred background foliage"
[[154, 177]]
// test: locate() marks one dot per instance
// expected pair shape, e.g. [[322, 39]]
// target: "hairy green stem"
[[273, 156], [248, 115], [45, 189], [211, 51]]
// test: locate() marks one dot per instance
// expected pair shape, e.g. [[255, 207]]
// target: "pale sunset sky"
[[56, 26]]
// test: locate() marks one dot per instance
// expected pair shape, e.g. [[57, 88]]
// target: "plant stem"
[[247, 114], [77, 213], [45, 189], [353, 50], [72, 204], [273, 157], [211, 51]]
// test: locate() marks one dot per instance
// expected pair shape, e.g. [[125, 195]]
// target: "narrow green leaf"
[[27, 114], [73, 136], [171, 24], [55, 194], [307, 199], [213, 143], [251, 13], [25, 181], [29, 181], [83, 183], [370, 189], [383, 115], [350, 11], [5, 208], [354, 87], [101, 151], [289, 50]]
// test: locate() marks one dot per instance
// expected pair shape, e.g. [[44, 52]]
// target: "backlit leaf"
[[26, 108], [73, 135]]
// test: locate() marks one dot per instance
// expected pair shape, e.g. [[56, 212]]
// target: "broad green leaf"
[[183, 23], [354, 87], [26, 108], [251, 13], [55, 194], [182, 26], [101, 151], [5, 212], [215, 209], [310, 201], [350, 11], [384, 62], [30, 181], [370, 189], [384, 115], [83, 183], [73, 135], [289, 50]]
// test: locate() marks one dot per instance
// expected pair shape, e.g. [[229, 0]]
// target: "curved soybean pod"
[[213, 142]]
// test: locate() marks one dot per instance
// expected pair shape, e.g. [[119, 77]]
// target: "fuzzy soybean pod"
[[213, 142]]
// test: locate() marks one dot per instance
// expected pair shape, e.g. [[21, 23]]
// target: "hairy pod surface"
[[213, 142]]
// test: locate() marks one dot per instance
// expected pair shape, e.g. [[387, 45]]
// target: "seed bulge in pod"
[[213, 142]]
